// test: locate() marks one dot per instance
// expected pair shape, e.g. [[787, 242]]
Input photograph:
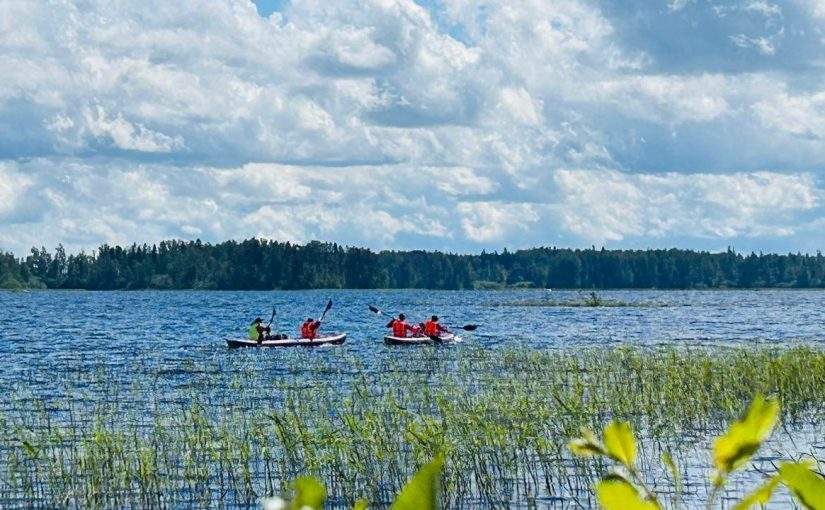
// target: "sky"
[[457, 125]]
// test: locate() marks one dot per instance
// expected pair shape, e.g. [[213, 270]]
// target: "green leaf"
[[808, 487], [584, 448], [667, 459], [745, 436], [587, 445], [618, 494], [360, 505], [620, 443], [760, 496], [30, 450], [423, 490], [309, 493]]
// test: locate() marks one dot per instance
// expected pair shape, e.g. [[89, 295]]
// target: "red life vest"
[[307, 330], [399, 328], [431, 328]]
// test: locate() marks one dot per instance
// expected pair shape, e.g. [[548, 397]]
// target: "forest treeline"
[[262, 264]]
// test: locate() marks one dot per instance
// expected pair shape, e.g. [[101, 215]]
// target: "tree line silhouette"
[[263, 264]]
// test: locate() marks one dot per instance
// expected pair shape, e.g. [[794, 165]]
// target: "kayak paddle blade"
[[470, 327], [326, 309], [374, 309]]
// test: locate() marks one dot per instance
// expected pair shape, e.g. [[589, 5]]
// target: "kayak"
[[331, 339], [414, 340]]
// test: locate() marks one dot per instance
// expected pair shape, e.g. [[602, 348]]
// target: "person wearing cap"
[[400, 327], [309, 328], [258, 332], [433, 328]]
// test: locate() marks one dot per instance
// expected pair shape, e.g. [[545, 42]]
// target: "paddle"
[[272, 318], [329, 305]]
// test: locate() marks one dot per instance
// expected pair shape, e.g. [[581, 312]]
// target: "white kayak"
[[331, 339], [414, 340]]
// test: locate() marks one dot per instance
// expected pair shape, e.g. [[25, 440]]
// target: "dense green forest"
[[261, 264]]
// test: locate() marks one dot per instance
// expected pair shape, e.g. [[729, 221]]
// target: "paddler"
[[433, 328], [400, 327], [309, 328], [257, 332]]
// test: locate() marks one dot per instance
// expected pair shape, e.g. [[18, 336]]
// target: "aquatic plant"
[[231, 430], [422, 492], [592, 300], [624, 488]]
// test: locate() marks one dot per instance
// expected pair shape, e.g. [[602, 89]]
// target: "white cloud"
[[377, 121], [124, 134], [13, 187], [678, 5], [815, 7], [800, 115], [765, 45], [764, 7], [494, 221], [609, 205], [667, 98], [461, 181]]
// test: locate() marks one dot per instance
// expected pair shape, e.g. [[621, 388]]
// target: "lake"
[[86, 350], [46, 332]]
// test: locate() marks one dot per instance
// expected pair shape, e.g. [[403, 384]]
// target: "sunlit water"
[[51, 341]]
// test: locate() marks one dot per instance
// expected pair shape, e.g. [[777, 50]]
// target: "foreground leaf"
[[760, 496], [668, 461], [309, 493], [422, 492], [587, 445], [618, 494], [745, 436], [360, 505], [807, 486], [620, 443]]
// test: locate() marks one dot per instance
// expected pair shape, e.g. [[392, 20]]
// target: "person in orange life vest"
[[433, 328], [399, 326], [309, 328]]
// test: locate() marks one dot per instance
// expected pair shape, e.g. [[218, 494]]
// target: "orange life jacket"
[[399, 328], [431, 328], [307, 330]]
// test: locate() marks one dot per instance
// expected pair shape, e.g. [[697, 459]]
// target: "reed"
[[227, 432]]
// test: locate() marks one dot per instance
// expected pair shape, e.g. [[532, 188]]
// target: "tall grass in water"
[[502, 420]]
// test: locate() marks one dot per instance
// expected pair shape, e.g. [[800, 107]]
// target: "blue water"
[[57, 346], [37, 328], [131, 333]]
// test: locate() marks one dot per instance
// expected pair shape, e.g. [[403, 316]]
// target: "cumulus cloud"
[[800, 115], [491, 221], [388, 123], [612, 205], [764, 45]]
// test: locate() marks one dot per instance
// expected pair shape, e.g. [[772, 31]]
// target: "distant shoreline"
[[259, 264], [407, 289]]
